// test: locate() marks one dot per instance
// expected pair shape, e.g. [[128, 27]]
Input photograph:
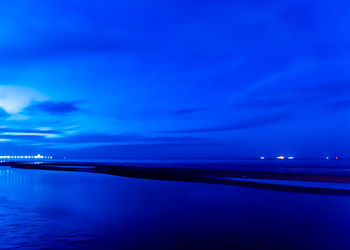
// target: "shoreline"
[[279, 179]]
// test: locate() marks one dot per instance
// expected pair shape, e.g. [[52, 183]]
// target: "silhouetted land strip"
[[205, 175]]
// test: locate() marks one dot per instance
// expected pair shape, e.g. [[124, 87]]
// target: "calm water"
[[51, 209]]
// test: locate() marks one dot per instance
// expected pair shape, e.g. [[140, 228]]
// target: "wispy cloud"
[[254, 122], [9, 134], [323, 95], [59, 45], [55, 139], [337, 105], [188, 111], [54, 108]]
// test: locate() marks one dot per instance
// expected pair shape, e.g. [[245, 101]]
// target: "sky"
[[175, 79]]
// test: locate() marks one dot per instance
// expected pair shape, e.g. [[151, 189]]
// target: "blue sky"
[[136, 79]]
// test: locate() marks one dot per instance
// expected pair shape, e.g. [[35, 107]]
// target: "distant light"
[[291, 158], [281, 157], [262, 158], [337, 158], [39, 156], [327, 158]]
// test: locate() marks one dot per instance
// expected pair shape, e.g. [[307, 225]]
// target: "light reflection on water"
[[23, 223], [27, 227], [58, 209]]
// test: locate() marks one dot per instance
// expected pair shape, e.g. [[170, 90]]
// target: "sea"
[[44, 209]]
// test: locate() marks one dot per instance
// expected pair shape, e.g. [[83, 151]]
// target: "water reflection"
[[58, 209], [26, 227], [18, 179], [23, 223]]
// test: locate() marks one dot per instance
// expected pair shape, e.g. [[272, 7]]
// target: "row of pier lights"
[[25, 157]]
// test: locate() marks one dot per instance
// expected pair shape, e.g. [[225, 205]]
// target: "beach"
[[79, 209]]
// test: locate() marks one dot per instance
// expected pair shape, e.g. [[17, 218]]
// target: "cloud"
[[263, 103], [338, 106], [13, 99], [188, 111], [56, 139], [319, 95], [125, 138], [3, 113], [58, 46], [95, 140], [27, 134], [11, 130], [54, 108], [255, 122]]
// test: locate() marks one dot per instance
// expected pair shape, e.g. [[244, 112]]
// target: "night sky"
[[182, 79]]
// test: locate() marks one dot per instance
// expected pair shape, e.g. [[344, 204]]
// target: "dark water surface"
[[59, 209]]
